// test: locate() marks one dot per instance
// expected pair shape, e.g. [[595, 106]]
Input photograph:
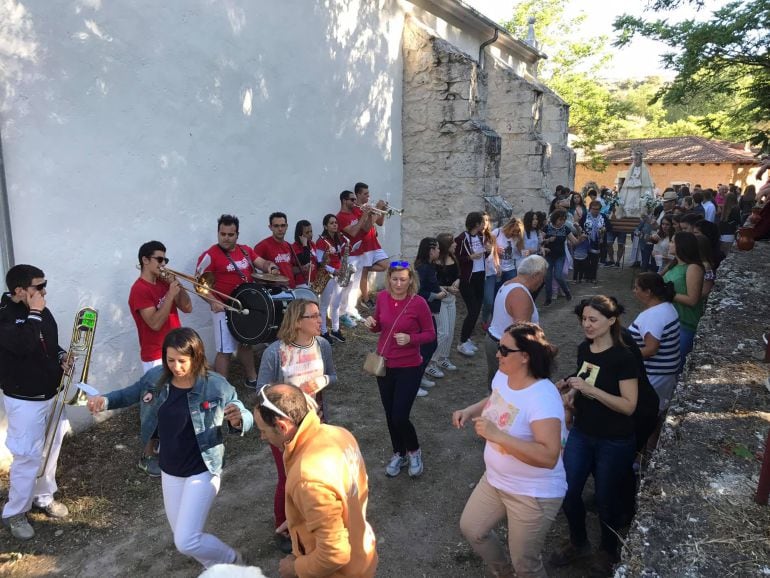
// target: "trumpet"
[[203, 286], [388, 211]]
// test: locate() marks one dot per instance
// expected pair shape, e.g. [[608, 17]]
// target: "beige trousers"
[[529, 520]]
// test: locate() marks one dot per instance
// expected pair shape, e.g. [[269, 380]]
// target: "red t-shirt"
[[226, 277], [300, 277], [326, 245], [368, 239], [279, 252], [144, 295]]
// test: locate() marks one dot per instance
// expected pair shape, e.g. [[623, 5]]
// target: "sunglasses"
[[161, 260], [264, 402], [505, 351], [399, 264], [40, 286]]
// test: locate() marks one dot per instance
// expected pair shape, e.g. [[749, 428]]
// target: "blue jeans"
[[686, 339], [610, 461], [555, 267], [507, 276], [490, 289]]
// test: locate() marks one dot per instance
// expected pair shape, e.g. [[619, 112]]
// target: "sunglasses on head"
[[505, 351], [264, 402], [40, 286], [160, 260], [399, 264]]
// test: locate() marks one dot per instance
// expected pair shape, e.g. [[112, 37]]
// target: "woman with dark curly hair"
[[522, 422]]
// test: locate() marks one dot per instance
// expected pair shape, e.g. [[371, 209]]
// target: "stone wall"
[[451, 158], [696, 514], [469, 133], [532, 123]]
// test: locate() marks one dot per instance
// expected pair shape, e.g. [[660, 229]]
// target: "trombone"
[[203, 285], [388, 211], [81, 344]]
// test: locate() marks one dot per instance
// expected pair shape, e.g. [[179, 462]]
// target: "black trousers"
[[398, 390], [472, 292]]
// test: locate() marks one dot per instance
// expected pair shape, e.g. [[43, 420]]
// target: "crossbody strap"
[[229, 258], [390, 333]]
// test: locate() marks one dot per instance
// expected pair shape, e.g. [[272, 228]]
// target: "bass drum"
[[282, 297], [259, 324]]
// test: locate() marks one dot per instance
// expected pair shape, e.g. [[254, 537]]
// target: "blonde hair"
[[291, 319], [414, 282]]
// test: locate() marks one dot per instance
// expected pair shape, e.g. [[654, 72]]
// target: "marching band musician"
[[277, 249], [153, 302], [373, 258], [305, 251], [232, 264], [31, 367], [329, 248]]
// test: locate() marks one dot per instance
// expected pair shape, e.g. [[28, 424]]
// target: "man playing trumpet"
[[31, 367], [232, 265], [154, 301]]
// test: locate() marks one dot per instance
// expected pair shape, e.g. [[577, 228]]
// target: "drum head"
[[305, 293], [259, 324]]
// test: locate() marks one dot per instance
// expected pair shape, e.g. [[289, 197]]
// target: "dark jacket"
[[463, 254], [429, 286], [29, 352]]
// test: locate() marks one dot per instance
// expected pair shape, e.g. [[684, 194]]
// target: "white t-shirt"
[[662, 322], [507, 250], [710, 211], [512, 411], [476, 245]]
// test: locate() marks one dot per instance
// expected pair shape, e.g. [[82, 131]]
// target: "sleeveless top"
[[500, 318], [689, 315]]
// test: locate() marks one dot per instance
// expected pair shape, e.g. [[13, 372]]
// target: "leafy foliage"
[[724, 55]]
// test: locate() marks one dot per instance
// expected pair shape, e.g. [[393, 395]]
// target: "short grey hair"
[[532, 265]]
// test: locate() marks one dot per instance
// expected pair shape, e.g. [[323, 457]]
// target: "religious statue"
[[637, 189]]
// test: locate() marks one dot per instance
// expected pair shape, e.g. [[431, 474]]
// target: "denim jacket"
[[207, 400]]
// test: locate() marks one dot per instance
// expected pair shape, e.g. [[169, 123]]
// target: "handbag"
[[374, 364]]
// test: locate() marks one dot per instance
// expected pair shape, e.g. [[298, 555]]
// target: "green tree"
[[572, 65], [724, 55]]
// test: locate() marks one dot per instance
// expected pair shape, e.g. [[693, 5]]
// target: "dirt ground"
[[117, 525]]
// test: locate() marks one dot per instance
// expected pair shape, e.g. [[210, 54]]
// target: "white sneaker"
[[426, 382], [19, 526], [466, 349], [434, 371], [395, 464], [446, 364], [422, 392], [473, 345], [415, 464]]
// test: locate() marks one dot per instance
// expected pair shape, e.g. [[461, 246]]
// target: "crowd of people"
[[543, 437]]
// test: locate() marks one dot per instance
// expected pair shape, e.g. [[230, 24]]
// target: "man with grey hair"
[[513, 304]]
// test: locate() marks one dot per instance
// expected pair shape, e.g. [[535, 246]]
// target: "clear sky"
[[641, 58]]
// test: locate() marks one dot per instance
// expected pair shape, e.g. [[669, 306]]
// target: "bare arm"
[[694, 280], [518, 305], [650, 347], [462, 416], [542, 452], [624, 403]]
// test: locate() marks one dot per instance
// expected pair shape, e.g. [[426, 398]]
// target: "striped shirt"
[[662, 322]]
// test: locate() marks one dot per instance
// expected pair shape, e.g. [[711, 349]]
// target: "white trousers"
[[352, 292], [25, 440], [331, 298], [148, 365], [187, 502], [445, 327]]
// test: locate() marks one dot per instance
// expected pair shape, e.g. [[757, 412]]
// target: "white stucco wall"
[[129, 121]]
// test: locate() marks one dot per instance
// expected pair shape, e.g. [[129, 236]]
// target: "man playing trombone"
[[154, 301], [31, 367], [232, 265]]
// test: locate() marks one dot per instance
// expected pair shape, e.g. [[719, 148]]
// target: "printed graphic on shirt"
[[501, 413], [588, 373], [301, 365]]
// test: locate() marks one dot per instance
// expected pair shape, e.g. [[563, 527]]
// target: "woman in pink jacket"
[[404, 322]]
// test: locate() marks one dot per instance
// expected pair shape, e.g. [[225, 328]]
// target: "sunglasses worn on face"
[[263, 401], [161, 260], [505, 351], [399, 264], [40, 286]]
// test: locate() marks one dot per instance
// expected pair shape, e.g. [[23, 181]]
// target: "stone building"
[[123, 122], [676, 160]]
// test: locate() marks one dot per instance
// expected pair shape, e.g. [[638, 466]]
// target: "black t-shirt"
[[447, 274], [179, 452], [607, 369]]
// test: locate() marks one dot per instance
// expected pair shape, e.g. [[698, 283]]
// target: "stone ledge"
[[696, 515]]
